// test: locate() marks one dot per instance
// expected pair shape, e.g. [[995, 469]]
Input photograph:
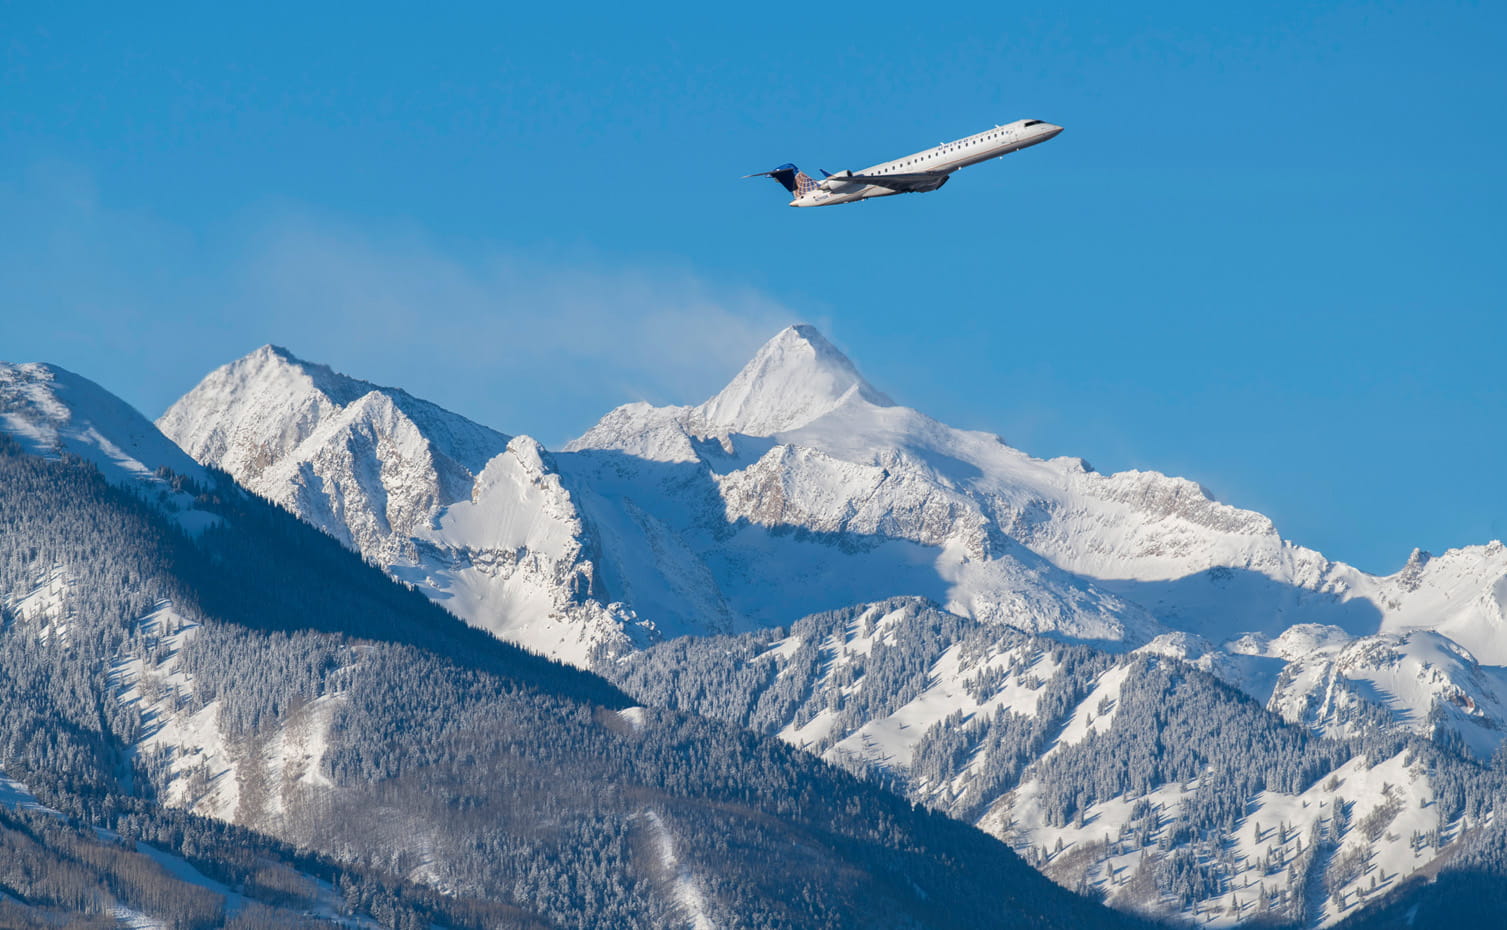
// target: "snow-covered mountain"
[[479, 520], [370, 465], [1422, 672], [53, 412], [844, 460], [801, 487], [250, 726]]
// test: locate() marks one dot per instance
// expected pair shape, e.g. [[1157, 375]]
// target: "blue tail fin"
[[794, 179]]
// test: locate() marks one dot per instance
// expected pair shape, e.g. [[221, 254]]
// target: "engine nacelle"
[[835, 182]]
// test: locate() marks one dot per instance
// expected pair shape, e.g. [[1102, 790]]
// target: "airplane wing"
[[914, 182]]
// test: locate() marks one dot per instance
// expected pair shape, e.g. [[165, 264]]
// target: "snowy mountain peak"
[[368, 464], [795, 378], [50, 409], [477, 519], [273, 363], [257, 410]]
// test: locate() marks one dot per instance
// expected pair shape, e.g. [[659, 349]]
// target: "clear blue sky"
[[1267, 253]]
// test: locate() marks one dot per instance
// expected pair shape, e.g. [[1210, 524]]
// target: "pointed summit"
[[795, 378], [275, 364], [252, 415]]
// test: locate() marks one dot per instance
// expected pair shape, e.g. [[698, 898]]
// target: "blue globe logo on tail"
[[794, 179]]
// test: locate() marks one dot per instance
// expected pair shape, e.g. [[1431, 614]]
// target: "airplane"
[[920, 173]]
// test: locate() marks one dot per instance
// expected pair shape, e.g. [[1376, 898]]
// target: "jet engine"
[[835, 182]]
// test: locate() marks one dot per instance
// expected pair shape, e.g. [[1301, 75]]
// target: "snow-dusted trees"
[[1168, 727]]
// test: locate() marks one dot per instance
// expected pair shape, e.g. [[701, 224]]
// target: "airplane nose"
[[1053, 130]]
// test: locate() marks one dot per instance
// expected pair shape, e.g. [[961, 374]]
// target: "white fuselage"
[[942, 160]]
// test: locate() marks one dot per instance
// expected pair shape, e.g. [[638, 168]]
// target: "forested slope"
[[1136, 778]]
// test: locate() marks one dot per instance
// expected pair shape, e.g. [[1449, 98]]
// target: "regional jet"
[[914, 174]]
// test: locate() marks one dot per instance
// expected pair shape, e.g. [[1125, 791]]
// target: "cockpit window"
[[1034, 122]]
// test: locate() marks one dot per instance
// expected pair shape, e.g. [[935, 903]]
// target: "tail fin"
[[795, 180]]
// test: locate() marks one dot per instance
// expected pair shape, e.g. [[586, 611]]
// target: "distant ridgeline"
[[218, 716]]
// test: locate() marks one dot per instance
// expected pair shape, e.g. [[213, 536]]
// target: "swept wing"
[[914, 182]]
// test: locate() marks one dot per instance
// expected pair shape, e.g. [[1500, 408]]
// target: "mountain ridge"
[[51, 409]]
